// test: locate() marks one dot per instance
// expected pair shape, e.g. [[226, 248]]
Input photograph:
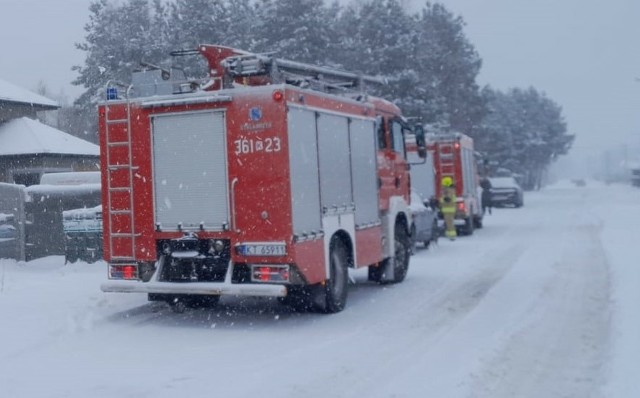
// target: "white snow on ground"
[[542, 302]]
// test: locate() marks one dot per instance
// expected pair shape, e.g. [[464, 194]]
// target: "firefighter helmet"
[[447, 181]]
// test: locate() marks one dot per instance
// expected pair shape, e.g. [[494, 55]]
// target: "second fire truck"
[[269, 179], [454, 156]]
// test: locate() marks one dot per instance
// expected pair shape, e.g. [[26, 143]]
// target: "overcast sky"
[[584, 54]]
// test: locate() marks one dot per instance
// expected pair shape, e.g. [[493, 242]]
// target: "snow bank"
[[620, 240]]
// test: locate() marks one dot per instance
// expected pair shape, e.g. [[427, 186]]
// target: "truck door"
[[399, 157]]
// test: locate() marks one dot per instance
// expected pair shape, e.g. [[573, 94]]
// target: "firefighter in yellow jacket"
[[448, 206]]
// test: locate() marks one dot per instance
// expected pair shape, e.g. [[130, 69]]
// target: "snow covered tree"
[[294, 29], [118, 38], [430, 64], [377, 38], [428, 61], [524, 131], [196, 22], [448, 65]]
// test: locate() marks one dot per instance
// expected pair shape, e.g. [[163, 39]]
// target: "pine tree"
[[294, 29], [449, 66], [118, 39], [524, 131]]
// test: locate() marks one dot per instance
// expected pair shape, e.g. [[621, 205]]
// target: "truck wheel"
[[402, 251], [332, 297], [402, 243], [477, 222], [469, 226]]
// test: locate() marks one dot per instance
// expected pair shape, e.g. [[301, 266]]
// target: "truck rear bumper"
[[209, 288]]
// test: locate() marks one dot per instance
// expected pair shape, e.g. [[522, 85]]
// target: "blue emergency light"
[[112, 93]]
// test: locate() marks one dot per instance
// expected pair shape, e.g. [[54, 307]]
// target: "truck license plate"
[[263, 250]]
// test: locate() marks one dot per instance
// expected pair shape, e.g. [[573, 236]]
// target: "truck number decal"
[[250, 145]]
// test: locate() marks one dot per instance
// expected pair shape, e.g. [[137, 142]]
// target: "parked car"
[[83, 234], [506, 191], [424, 228]]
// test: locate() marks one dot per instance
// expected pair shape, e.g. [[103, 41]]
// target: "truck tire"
[[332, 297], [469, 226], [402, 245], [402, 252], [478, 222]]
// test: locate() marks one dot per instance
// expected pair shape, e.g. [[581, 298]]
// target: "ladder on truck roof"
[[260, 69], [120, 173], [297, 73]]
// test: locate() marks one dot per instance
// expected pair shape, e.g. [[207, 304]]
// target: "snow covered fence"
[[83, 234], [12, 221], [46, 202]]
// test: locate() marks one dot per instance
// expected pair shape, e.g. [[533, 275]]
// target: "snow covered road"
[[542, 302]]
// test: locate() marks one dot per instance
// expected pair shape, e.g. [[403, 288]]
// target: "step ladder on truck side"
[[118, 193], [446, 160]]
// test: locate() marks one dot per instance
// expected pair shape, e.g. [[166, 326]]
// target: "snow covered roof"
[[71, 178], [61, 190], [12, 93], [26, 136]]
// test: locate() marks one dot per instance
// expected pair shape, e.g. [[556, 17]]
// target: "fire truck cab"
[[268, 179], [454, 156]]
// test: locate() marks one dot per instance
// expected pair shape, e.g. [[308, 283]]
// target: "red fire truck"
[[269, 179], [454, 156]]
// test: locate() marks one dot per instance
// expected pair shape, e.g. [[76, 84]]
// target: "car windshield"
[[503, 182]]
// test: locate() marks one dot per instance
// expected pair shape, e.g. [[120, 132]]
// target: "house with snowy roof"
[[29, 148]]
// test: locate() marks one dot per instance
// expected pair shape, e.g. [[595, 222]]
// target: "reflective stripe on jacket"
[[448, 206], [448, 200]]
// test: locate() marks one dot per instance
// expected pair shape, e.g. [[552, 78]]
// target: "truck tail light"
[[270, 273], [123, 271]]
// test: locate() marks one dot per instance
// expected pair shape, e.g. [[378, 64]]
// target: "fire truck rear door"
[[190, 171]]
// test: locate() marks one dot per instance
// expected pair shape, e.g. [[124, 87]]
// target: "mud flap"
[[388, 270]]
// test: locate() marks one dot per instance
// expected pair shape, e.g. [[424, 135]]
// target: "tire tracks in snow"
[[559, 351], [423, 324]]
